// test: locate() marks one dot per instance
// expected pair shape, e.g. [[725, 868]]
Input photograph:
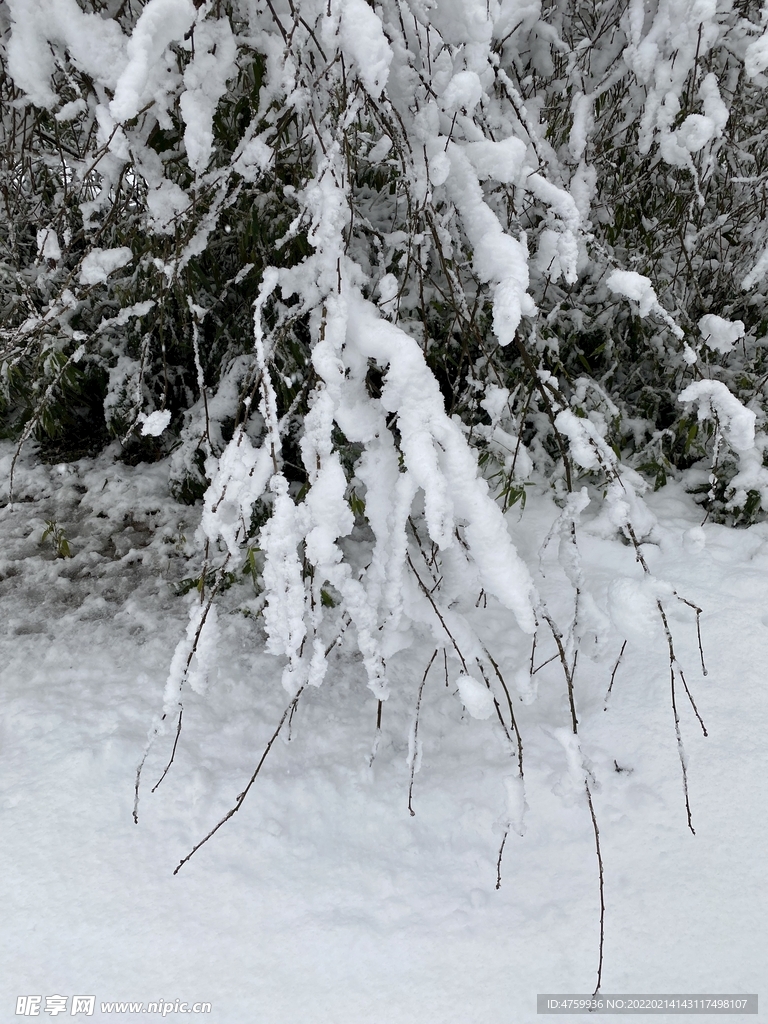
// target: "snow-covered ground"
[[323, 901]]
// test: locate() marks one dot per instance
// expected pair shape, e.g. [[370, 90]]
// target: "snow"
[[434, 707], [498, 258], [640, 290], [362, 37], [205, 82], [323, 899], [155, 423], [94, 44], [146, 77], [633, 608], [714, 401], [463, 92], [720, 334], [98, 264], [48, 247], [756, 56], [636, 287], [475, 696]]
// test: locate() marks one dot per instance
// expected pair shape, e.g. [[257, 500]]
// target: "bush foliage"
[[327, 256]]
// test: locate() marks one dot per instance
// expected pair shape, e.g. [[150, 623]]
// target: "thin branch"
[[602, 888], [498, 860], [241, 798], [680, 748], [613, 674], [173, 753], [437, 612], [415, 751]]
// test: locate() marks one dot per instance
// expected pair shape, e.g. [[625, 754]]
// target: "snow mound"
[[475, 696]]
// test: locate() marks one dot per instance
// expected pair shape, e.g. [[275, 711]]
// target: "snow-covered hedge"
[[361, 272], [364, 271]]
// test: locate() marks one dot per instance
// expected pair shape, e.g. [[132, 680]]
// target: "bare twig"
[[415, 752], [498, 860], [173, 752], [613, 674], [241, 798], [680, 748], [602, 888]]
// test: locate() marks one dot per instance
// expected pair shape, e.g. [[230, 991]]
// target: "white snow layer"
[[147, 76], [94, 44], [639, 290], [362, 37], [714, 401], [205, 82], [98, 264], [475, 696], [327, 899], [719, 334], [155, 423], [441, 463]]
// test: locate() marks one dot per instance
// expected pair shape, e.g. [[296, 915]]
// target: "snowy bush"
[[363, 272]]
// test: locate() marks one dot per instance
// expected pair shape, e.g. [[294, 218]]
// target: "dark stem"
[[173, 752], [498, 861], [613, 674], [602, 888], [416, 733], [244, 794]]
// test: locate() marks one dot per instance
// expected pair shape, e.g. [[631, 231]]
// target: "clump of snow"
[[636, 287], [238, 481], [439, 164], [756, 57], [147, 75], [720, 334], [100, 263], [463, 92], [714, 401], [363, 39], [380, 149], [254, 158], [584, 441], [516, 803], [94, 43], [714, 107], [475, 696], [501, 160], [695, 132], [639, 290], [633, 608], [69, 111], [495, 402], [498, 258], [154, 424], [582, 108], [205, 81], [388, 289], [48, 247]]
